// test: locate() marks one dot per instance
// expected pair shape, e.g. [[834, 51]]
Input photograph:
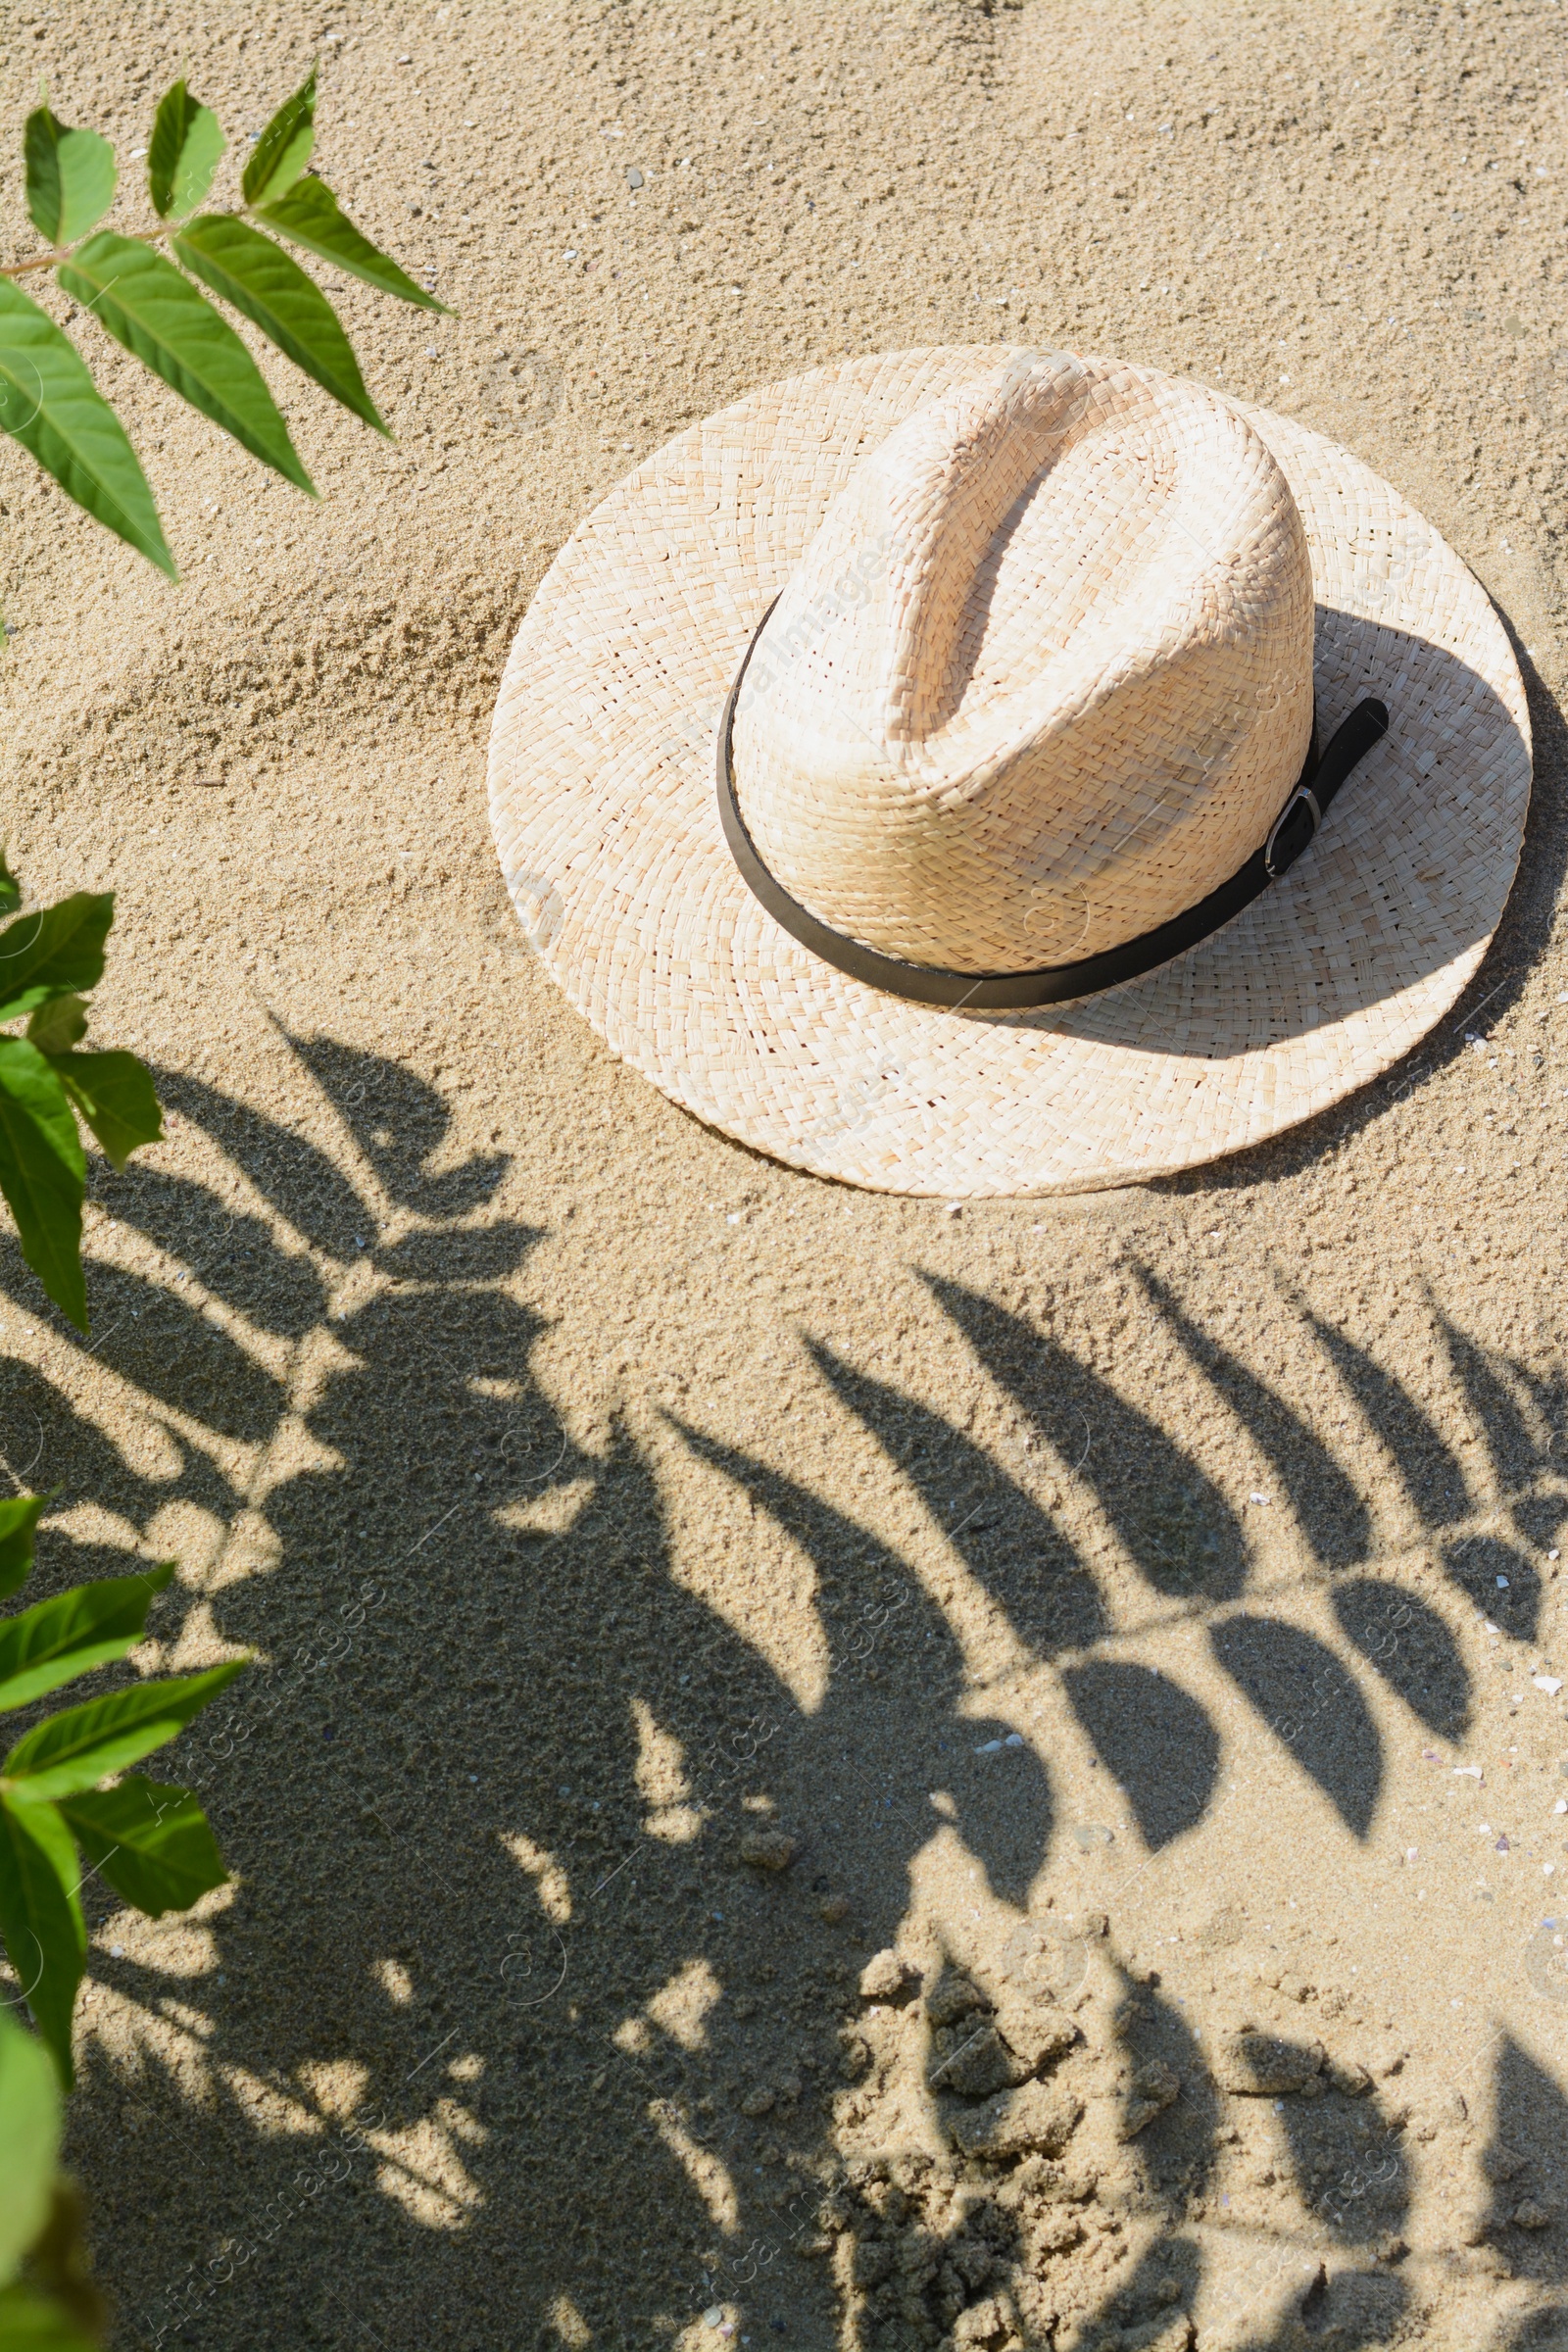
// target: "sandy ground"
[[1125, 1612]]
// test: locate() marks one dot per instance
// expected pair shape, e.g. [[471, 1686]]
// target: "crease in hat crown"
[[1044, 676]]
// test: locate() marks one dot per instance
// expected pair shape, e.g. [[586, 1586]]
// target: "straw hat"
[[912, 769]]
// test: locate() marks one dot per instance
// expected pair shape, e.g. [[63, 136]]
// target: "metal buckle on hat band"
[[1286, 839]]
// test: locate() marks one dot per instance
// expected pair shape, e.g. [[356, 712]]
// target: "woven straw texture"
[[1044, 678], [603, 803]]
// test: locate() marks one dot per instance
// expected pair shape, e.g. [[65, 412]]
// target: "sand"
[[1097, 1606]]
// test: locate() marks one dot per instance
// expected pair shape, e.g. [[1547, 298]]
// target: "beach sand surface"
[[821, 1769]]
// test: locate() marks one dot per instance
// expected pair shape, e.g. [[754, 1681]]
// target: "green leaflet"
[[10, 888], [40, 1918], [274, 292], [32, 2322], [283, 149], [30, 2142], [19, 1516], [43, 1173], [50, 404], [46, 957], [186, 143], [54, 950], [308, 216], [89, 1626], [151, 1842], [114, 1092], [57, 1026], [157, 315], [84, 1744], [70, 177]]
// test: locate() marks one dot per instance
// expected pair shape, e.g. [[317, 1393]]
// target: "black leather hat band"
[[1058, 984]]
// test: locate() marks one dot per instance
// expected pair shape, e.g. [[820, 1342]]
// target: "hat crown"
[[1043, 678]]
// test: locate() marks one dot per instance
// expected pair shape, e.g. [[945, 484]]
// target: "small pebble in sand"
[[768, 1850]]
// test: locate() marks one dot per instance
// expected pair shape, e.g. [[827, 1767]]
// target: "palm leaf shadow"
[[1311, 1703], [1364, 2202], [1525, 2160], [1333, 1515], [1003, 1803], [1503, 1584], [1014, 1549], [1515, 1455], [1411, 1648], [233, 1252], [1155, 1741], [1177, 2151], [1173, 1520], [1429, 1469], [1352, 2310], [299, 1179], [400, 1123]]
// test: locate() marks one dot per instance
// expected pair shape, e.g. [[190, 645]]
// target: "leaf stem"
[[44, 261], [67, 252]]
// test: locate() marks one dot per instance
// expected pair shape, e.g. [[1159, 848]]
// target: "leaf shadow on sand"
[[498, 2023]]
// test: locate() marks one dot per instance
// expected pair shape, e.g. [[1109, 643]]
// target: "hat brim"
[[603, 803]]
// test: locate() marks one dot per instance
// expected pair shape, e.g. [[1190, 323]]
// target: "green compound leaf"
[[157, 315], [54, 951], [57, 1025], [114, 1092], [152, 1843], [84, 1745], [50, 404], [40, 1918], [30, 2142], [18, 1517], [186, 144], [90, 1626], [274, 292], [308, 216], [43, 1173], [70, 177], [283, 149]]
